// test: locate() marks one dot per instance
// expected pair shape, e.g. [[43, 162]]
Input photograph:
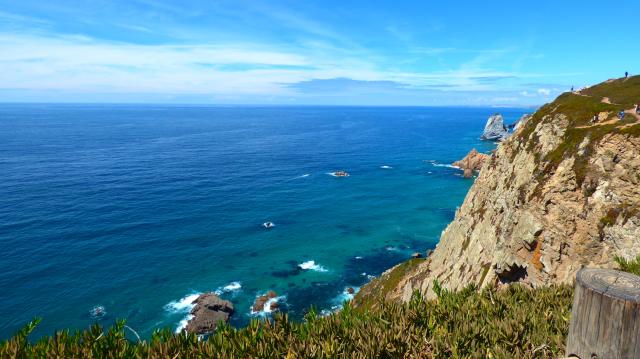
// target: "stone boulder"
[[208, 312], [495, 129], [350, 290], [472, 162]]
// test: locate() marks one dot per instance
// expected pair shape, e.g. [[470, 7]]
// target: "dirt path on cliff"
[[633, 113]]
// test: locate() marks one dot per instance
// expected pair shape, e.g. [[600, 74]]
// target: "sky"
[[306, 52]]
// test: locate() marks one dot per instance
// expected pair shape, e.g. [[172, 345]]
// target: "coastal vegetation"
[[515, 322]]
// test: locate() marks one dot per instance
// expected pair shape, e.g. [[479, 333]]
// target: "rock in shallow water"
[[208, 312], [258, 305]]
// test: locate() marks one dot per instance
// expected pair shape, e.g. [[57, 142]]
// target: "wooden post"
[[605, 317]]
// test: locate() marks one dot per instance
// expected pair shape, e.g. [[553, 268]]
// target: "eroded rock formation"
[[495, 129], [472, 162]]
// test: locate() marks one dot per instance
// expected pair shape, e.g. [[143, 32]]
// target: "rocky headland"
[[560, 193]]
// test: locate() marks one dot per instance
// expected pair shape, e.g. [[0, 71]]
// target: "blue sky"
[[496, 53]]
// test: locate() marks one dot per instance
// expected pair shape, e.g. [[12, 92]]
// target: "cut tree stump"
[[605, 317]]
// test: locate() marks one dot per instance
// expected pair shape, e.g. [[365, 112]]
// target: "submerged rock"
[[208, 312], [495, 129], [472, 162]]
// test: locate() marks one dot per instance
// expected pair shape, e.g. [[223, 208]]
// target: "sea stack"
[[472, 162], [495, 129], [208, 312]]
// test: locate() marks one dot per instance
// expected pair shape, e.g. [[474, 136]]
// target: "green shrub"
[[632, 266], [514, 322]]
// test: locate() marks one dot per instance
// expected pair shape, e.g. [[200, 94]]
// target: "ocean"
[[138, 208]]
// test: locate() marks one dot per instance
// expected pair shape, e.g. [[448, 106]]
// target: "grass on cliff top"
[[619, 91], [580, 108], [515, 322]]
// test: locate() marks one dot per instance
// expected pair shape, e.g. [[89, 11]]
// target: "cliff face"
[[561, 193]]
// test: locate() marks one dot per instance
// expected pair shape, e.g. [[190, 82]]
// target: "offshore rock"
[[208, 312], [495, 129], [260, 301], [472, 162]]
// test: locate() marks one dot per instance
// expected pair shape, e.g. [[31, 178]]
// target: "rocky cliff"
[[561, 193]]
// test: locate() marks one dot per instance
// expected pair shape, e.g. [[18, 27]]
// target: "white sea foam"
[[302, 176], [229, 288], [445, 165], [386, 167], [266, 309], [338, 302], [311, 265], [183, 323], [183, 305], [436, 164], [358, 257]]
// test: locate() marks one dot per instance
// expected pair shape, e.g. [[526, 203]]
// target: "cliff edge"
[[563, 192]]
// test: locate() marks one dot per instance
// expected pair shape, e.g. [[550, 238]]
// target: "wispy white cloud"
[[38, 62], [544, 91]]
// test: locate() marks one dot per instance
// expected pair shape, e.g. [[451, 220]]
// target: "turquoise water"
[[134, 208]]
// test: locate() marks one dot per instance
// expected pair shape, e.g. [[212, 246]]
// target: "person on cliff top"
[[626, 74], [638, 109], [621, 114]]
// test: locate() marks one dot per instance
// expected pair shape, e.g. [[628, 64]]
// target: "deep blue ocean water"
[[135, 208]]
